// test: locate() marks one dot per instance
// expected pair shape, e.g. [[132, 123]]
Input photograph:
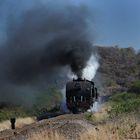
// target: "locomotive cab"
[[80, 95]]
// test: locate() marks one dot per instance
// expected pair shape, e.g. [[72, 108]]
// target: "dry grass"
[[46, 136], [124, 128], [99, 134], [20, 122], [102, 114]]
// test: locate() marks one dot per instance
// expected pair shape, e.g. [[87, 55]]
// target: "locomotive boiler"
[[80, 95]]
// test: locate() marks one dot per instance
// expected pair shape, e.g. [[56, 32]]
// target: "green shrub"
[[124, 103], [7, 113], [47, 101], [135, 87], [89, 116]]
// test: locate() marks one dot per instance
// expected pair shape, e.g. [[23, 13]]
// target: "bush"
[[124, 103], [7, 113], [48, 101], [135, 87]]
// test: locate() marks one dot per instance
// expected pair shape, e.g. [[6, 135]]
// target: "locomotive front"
[[80, 95]]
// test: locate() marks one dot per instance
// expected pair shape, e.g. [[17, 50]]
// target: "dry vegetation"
[[123, 129], [103, 128], [20, 122], [46, 136], [118, 68]]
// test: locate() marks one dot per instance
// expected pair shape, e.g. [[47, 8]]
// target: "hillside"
[[119, 67]]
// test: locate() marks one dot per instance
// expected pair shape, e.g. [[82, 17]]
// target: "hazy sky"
[[115, 22]]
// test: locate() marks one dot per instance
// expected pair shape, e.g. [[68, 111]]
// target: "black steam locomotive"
[[80, 95]]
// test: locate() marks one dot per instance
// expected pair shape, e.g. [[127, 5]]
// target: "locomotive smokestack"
[[79, 73]]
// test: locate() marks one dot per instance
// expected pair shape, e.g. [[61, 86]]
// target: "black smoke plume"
[[39, 47]]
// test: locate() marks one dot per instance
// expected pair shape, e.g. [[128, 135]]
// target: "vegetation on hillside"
[[9, 112], [124, 103], [48, 102], [135, 87], [119, 67]]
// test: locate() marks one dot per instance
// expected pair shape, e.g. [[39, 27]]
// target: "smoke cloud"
[[41, 45]]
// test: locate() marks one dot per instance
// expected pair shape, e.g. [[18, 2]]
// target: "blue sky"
[[115, 22]]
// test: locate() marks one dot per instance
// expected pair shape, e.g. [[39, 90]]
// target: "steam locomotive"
[[80, 95]]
